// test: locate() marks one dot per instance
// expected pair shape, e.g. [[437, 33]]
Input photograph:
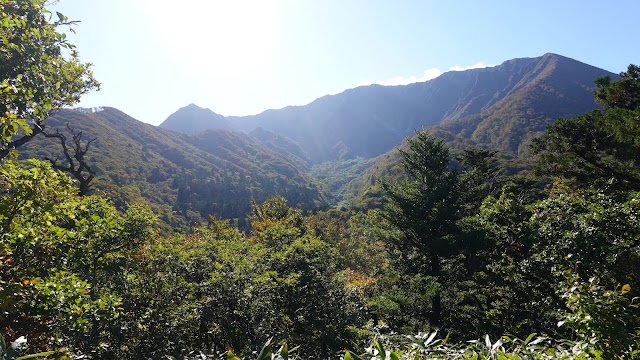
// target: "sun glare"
[[218, 39]]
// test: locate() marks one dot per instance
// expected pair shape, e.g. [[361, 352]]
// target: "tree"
[[64, 259], [79, 166], [600, 145], [480, 175], [36, 78], [426, 208], [312, 305], [275, 224]]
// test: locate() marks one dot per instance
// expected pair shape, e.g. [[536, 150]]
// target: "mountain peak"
[[193, 106], [192, 118], [370, 120]]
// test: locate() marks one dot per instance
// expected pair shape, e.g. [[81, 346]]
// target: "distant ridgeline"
[[198, 162], [89, 110], [501, 107]]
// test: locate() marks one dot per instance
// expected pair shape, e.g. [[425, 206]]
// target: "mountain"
[[542, 90], [192, 118], [182, 177], [547, 88], [371, 120], [282, 145], [199, 163]]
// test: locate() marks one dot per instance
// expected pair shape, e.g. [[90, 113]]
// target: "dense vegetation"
[[36, 78], [459, 249], [182, 178]]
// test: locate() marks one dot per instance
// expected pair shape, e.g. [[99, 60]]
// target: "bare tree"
[[77, 165]]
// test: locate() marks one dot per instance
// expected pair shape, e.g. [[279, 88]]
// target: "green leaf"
[[529, 339], [284, 351], [381, 352], [265, 353], [15, 347], [414, 339], [231, 356], [356, 357], [38, 355], [347, 356]]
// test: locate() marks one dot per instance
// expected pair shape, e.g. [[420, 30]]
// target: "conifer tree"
[[426, 208], [601, 145]]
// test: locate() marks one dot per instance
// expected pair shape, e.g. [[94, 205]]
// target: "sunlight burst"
[[218, 39]]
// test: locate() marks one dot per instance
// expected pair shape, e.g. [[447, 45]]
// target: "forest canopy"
[[547, 267]]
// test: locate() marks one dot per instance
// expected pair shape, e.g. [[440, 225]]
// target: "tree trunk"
[[436, 306]]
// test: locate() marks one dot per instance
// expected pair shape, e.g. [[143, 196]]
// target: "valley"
[[331, 152], [485, 212], [480, 203]]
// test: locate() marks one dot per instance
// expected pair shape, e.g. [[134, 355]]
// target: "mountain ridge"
[[338, 143], [371, 120], [536, 101]]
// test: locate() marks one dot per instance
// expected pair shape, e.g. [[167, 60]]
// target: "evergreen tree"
[[600, 145], [426, 208]]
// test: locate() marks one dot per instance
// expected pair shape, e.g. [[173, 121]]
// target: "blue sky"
[[241, 57]]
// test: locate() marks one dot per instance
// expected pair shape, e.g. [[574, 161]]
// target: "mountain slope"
[[553, 87], [546, 89], [184, 178], [371, 120], [282, 145], [194, 173]]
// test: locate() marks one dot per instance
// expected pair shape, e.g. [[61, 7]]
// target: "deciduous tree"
[[36, 76]]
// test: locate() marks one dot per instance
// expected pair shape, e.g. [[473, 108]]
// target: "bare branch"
[[79, 166]]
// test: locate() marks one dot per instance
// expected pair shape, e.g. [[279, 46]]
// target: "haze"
[[244, 57]]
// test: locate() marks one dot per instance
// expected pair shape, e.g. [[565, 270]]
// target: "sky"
[[242, 57]]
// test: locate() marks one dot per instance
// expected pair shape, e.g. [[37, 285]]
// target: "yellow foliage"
[[625, 289]]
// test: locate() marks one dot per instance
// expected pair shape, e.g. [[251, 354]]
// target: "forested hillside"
[[464, 260], [542, 91], [503, 106], [549, 91], [363, 189], [184, 178], [192, 118], [500, 108]]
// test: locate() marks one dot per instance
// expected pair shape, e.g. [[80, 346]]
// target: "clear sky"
[[239, 57]]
